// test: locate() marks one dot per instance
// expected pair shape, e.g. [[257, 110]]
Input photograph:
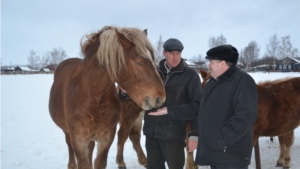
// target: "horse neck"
[[93, 72]]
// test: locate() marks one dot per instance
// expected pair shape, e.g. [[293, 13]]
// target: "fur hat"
[[173, 44], [223, 52]]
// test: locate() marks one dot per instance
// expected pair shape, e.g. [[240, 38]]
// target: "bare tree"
[[285, 51], [33, 60], [250, 53], [159, 49], [295, 53], [46, 59], [213, 42], [242, 58], [273, 48], [198, 59], [57, 56]]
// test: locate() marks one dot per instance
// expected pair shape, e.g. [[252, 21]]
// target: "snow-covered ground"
[[30, 139]]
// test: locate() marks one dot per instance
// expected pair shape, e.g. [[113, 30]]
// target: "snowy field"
[[30, 139]]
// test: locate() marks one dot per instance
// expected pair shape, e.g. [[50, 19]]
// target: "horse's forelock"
[[139, 38]]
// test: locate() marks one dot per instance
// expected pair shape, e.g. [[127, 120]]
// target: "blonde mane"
[[110, 52]]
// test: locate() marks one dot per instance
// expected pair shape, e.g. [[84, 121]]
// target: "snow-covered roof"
[[264, 65], [24, 68], [296, 60], [9, 68], [46, 69], [189, 63]]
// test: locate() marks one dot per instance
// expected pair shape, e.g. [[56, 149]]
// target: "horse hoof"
[[145, 166], [123, 167], [279, 165], [286, 167]]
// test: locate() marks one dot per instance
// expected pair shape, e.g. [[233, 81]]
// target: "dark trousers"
[[219, 167], [160, 151]]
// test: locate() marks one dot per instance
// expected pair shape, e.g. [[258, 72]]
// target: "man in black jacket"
[[165, 138], [228, 110]]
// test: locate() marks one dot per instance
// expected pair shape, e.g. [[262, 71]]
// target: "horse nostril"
[[148, 103], [158, 101]]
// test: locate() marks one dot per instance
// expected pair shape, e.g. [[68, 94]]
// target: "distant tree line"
[[276, 49], [53, 57]]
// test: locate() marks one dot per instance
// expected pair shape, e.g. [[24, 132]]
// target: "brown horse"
[[278, 113], [83, 99]]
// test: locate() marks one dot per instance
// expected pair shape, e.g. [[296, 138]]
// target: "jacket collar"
[[229, 72], [178, 68]]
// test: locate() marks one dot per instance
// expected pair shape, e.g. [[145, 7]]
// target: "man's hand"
[[159, 112], [192, 145]]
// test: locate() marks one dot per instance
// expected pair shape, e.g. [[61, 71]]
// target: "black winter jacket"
[[182, 86], [228, 111]]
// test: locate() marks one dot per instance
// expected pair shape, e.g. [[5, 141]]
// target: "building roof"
[[24, 68], [45, 69], [264, 65], [294, 59]]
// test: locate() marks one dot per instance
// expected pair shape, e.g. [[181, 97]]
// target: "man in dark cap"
[[165, 138], [227, 113]]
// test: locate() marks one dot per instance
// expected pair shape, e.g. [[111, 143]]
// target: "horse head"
[[127, 56]]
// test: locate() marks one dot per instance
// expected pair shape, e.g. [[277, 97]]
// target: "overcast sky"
[[43, 25]]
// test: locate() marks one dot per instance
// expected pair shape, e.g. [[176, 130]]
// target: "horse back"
[[279, 108]]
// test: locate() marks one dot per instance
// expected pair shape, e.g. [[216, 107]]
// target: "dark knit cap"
[[173, 44], [223, 52]]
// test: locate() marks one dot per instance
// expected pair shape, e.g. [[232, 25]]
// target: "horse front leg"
[[91, 150], [189, 163], [80, 145], [104, 143], [72, 161], [286, 141], [123, 134], [135, 137], [280, 160]]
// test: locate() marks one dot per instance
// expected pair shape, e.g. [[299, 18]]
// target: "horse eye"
[[139, 63]]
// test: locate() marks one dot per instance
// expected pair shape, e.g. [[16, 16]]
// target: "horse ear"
[[145, 31], [123, 40]]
